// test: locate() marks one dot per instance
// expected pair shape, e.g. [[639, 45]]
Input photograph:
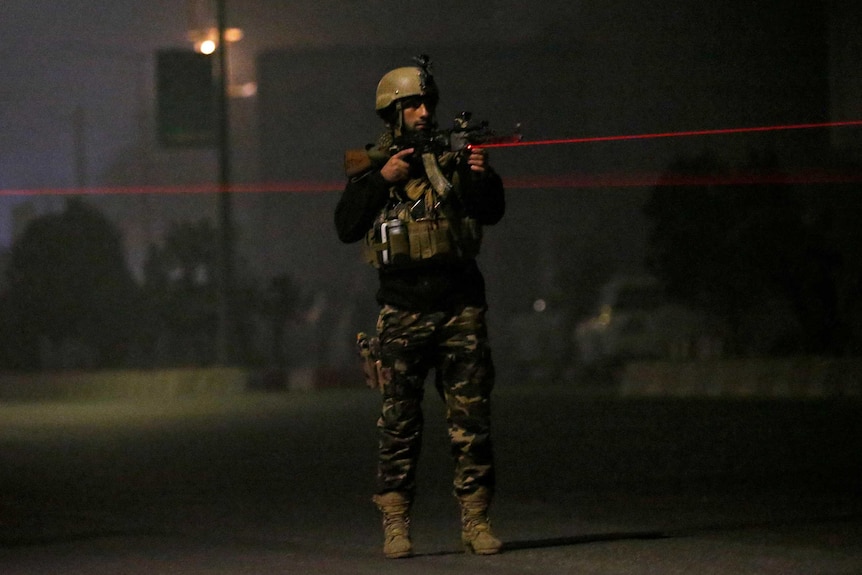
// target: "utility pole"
[[226, 336]]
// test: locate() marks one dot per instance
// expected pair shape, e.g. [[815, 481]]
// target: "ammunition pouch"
[[393, 244]]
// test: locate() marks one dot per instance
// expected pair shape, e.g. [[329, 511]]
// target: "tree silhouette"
[[181, 294], [737, 250], [68, 282], [181, 291]]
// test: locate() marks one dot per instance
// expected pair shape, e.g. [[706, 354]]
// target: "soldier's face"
[[418, 114]]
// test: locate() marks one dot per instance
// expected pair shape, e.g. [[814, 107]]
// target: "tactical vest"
[[422, 223]]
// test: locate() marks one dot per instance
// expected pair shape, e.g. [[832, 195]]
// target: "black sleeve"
[[361, 201], [483, 196]]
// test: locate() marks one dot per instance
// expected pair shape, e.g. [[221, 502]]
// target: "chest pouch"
[[394, 242]]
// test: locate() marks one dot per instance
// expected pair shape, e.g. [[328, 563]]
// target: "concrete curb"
[[809, 377], [164, 384], [122, 384]]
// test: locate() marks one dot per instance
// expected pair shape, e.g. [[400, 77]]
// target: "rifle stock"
[[356, 161]]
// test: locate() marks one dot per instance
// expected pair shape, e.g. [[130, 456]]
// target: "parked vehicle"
[[635, 320]]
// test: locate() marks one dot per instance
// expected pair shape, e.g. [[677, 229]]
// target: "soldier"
[[419, 211]]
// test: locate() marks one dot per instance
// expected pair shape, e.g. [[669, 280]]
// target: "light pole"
[[226, 308]]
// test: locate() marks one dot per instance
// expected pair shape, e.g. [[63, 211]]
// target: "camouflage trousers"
[[455, 346]]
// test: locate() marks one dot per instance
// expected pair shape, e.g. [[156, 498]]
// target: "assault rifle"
[[463, 135]]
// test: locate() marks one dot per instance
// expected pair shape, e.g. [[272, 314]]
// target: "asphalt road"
[[281, 483]]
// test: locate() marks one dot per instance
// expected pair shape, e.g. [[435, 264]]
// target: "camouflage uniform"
[[456, 346], [432, 317], [433, 303]]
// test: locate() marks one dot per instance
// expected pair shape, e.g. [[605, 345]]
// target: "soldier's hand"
[[478, 160], [397, 168]]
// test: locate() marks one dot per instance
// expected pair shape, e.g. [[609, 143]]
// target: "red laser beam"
[[204, 188], [650, 179], [533, 182], [683, 134], [526, 182]]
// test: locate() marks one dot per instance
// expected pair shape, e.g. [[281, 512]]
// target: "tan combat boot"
[[395, 507], [476, 533]]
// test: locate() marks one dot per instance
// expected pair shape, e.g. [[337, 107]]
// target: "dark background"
[[78, 114]]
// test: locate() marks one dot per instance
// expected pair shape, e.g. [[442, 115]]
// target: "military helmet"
[[404, 83]]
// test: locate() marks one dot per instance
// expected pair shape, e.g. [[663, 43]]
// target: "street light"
[[227, 321], [206, 41], [215, 41]]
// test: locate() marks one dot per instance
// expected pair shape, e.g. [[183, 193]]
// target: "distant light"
[[247, 90], [604, 318], [207, 47], [206, 41], [540, 305], [233, 34]]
